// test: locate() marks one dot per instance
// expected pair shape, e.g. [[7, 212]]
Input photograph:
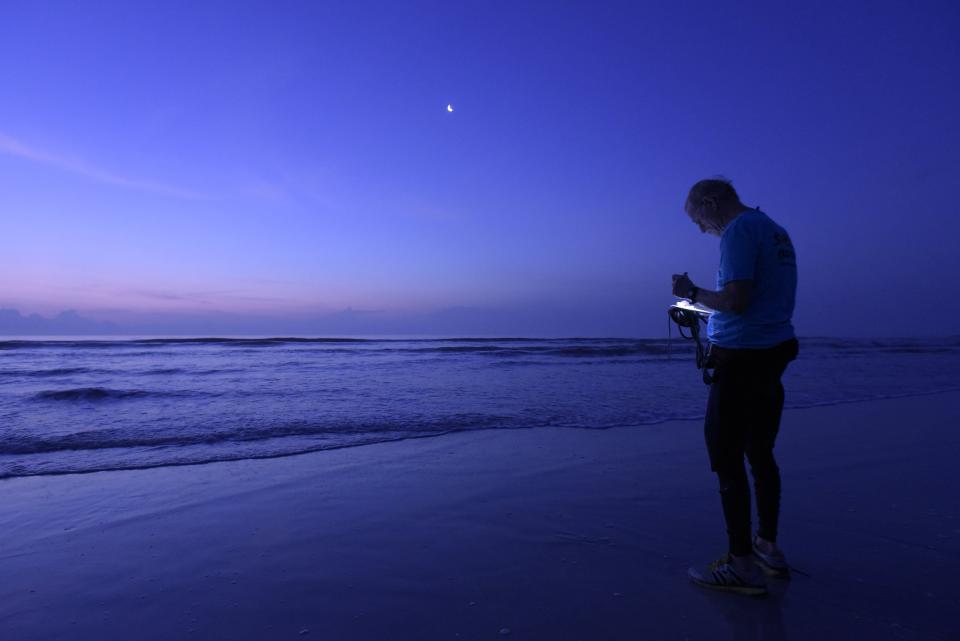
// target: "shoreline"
[[552, 533], [320, 450]]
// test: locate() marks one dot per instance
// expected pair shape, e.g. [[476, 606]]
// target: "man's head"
[[712, 204]]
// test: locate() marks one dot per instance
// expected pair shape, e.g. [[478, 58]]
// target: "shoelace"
[[723, 560]]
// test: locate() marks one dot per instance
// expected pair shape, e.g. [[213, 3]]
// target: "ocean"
[[84, 405]]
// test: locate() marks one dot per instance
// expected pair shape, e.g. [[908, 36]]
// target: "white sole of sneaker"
[[746, 590]]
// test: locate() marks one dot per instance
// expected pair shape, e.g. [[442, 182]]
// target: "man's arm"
[[734, 297]]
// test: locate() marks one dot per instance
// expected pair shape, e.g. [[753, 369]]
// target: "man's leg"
[[763, 465], [764, 425], [735, 497], [724, 430], [724, 433], [766, 483]]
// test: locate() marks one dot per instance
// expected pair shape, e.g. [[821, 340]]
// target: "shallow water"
[[98, 404]]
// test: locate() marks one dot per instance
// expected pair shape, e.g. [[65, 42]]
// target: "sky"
[[277, 167]]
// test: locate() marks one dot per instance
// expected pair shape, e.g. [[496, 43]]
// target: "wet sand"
[[546, 534]]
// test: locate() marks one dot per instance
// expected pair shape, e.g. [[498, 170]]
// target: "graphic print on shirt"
[[784, 248]]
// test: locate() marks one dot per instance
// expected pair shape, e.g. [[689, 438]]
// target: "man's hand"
[[681, 285], [735, 296]]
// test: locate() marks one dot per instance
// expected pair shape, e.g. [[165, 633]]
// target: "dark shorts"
[[746, 400]]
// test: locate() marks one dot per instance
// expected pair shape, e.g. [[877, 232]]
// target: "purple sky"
[[262, 167]]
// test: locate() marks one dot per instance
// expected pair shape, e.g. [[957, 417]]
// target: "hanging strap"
[[690, 320]]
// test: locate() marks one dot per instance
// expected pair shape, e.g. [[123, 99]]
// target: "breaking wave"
[[103, 394]]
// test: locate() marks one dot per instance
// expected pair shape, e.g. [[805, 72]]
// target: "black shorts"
[[746, 400]]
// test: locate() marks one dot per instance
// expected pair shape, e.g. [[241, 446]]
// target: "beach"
[[544, 533]]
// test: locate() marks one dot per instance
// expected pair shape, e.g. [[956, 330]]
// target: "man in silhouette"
[[751, 341]]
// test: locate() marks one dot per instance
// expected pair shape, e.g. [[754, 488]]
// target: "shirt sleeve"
[[738, 255]]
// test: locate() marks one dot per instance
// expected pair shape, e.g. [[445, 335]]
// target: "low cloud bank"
[[66, 323], [542, 321]]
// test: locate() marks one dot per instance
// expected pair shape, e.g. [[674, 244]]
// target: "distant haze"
[[459, 321], [294, 169]]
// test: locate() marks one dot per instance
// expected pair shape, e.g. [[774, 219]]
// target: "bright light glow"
[[694, 307], [450, 108]]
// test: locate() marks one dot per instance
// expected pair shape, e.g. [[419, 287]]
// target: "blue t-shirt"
[[755, 248]]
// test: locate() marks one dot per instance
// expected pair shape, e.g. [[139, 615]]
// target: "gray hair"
[[719, 188]]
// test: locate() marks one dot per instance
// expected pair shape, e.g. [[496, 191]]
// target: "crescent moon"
[[450, 108]]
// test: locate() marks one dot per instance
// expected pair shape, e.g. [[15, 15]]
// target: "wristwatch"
[[692, 293]]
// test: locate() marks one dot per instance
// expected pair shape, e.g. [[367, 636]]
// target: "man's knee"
[[763, 464], [732, 480]]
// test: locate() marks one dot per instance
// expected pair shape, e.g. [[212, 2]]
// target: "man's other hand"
[[681, 285]]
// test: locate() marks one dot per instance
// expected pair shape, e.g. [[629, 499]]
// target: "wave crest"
[[101, 394]]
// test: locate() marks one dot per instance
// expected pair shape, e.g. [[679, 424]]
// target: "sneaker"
[[723, 575], [773, 563]]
